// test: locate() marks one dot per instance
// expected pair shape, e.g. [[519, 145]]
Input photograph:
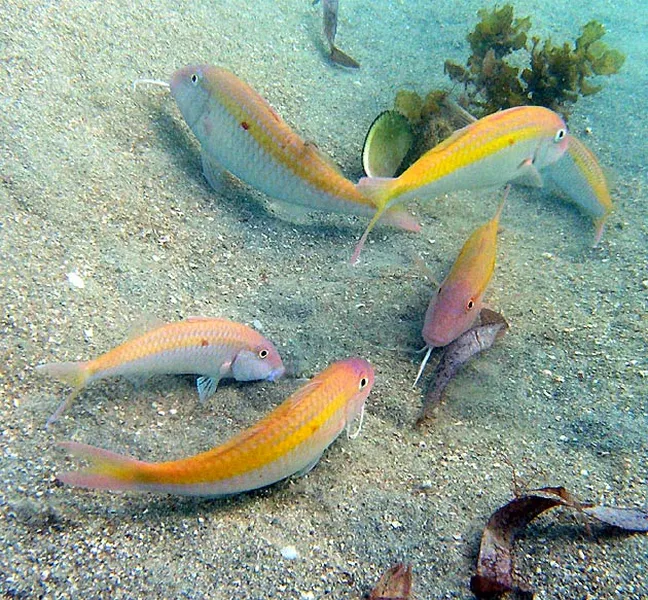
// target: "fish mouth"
[[276, 374]]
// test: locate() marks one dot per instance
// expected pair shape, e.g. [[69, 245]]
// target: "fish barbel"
[[241, 133], [513, 144], [209, 347], [289, 440]]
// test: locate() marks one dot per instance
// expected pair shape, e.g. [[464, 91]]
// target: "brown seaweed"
[[491, 327], [495, 562], [394, 584], [556, 76]]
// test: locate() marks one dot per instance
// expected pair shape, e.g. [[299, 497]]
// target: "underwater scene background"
[[103, 181]]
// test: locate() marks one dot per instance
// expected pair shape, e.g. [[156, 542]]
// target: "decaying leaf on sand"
[[495, 562], [394, 584], [491, 327]]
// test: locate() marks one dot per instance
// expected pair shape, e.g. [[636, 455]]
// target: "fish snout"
[[276, 373]]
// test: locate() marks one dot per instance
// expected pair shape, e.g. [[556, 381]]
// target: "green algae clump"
[[556, 76]]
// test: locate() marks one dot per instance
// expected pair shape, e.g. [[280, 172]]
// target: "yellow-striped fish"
[[580, 177], [512, 144], [211, 348], [458, 301], [241, 133], [289, 440]]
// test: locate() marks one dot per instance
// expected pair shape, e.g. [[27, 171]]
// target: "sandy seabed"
[[104, 181]]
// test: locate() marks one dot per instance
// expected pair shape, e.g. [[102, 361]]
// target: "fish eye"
[[470, 304], [560, 134], [194, 78], [263, 353], [363, 383]]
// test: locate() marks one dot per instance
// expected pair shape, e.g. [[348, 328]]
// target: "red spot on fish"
[[204, 342], [511, 141], [245, 125], [209, 127]]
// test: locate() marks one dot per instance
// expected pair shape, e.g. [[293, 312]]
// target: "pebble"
[[75, 280], [289, 552]]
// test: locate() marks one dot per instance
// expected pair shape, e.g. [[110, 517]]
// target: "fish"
[[580, 177], [239, 132], [493, 326], [513, 144], [330, 11], [209, 347], [458, 301], [289, 440]]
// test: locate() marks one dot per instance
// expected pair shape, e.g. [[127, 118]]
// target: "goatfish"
[[580, 177], [513, 144], [458, 301], [241, 133], [211, 348], [289, 440]]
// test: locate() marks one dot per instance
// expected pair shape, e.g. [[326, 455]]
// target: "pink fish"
[[458, 301], [211, 348]]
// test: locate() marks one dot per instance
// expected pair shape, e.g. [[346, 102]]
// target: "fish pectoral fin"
[[309, 467], [528, 175], [216, 175], [206, 387]]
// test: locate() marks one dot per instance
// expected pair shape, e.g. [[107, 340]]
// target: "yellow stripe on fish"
[[512, 144], [289, 440], [241, 133], [458, 301], [209, 347], [580, 177]]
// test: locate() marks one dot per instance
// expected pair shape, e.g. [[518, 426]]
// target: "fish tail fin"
[[378, 191], [73, 373], [107, 471], [398, 217]]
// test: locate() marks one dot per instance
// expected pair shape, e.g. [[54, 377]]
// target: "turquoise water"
[[104, 181]]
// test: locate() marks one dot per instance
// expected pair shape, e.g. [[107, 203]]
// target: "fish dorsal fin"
[[303, 392], [195, 318]]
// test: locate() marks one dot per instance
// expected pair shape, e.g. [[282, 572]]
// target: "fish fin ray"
[[206, 387]]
